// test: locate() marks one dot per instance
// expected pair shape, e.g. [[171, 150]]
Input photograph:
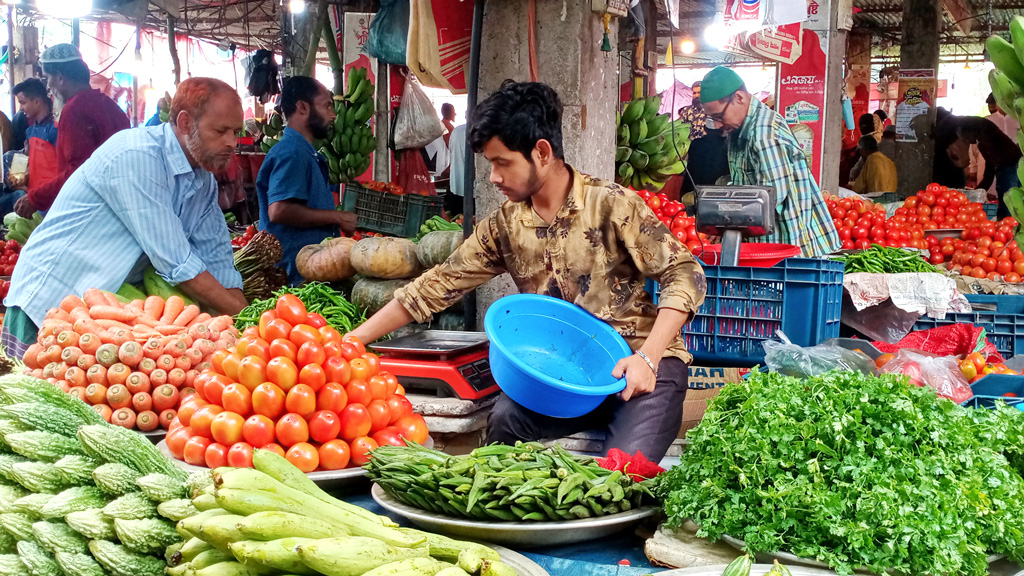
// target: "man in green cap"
[[764, 152]]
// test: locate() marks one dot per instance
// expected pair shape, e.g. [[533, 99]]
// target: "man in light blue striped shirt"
[[145, 196]]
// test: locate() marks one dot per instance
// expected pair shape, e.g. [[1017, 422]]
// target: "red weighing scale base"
[[445, 362]]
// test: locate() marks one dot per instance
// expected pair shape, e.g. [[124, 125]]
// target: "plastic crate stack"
[[746, 306], [390, 214], [1004, 328]]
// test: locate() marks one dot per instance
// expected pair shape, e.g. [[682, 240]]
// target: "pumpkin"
[[371, 294], [326, 262], [435, 247], [386, 258]]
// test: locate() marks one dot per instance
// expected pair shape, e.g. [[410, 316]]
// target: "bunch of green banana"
[[651, 147], [1007, 82], [351, 141], [271, 129]]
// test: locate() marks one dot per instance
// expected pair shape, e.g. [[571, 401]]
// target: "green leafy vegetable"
[[854, 470]]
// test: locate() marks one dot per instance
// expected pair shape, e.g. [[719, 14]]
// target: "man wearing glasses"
[[764, 152]]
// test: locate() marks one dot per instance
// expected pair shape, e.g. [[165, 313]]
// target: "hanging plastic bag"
[[413, 176], [389, 32], [803, 362], [417, 124], [942, 373], [42, 163]]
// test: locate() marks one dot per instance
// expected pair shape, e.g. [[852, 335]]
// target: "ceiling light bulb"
[[297, 6], [967, 65], [688, 47], [65, 8]]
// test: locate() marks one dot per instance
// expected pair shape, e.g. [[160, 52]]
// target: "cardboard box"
[[704, 384]]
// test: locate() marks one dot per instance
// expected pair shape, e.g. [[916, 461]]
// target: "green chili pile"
[[882, 260], [318, 297]]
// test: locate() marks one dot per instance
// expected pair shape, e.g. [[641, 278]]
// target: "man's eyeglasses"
[[719, 117]]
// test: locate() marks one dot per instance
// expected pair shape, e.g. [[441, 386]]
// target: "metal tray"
[[433, 342], [325, 478], [154, 436], [791, 560], [521, 564], [519, 534]]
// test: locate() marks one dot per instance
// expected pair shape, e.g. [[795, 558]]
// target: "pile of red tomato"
[[9, 251], [296, 386], [671, 213], [985, 250]]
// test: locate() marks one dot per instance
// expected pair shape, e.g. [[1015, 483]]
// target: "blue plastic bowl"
[[552, 356]]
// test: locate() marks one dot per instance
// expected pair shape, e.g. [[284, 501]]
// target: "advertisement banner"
[[781, 44], [916, 95], [802, 98]]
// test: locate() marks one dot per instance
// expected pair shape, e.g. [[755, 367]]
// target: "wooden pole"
[[172, 44], [309, 67]]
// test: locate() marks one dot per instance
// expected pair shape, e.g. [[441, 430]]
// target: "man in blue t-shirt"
[[296, 205]]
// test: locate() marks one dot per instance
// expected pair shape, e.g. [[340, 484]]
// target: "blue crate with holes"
[[746, 306], [991, 209], [1004, 326]]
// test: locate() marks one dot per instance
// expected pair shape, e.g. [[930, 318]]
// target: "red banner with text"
[[802, 98]]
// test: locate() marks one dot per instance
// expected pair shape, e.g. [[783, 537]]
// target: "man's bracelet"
[[648, 360]]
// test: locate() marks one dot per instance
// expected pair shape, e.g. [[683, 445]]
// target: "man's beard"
[[207, 159], [319, 127]]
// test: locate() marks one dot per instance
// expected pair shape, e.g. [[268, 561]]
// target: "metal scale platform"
[[448, 363]]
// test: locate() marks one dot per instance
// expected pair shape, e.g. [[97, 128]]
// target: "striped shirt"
[[136, 201], [764, 152]]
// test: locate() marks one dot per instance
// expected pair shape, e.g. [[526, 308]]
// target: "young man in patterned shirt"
[[584, 240], [764, 152]]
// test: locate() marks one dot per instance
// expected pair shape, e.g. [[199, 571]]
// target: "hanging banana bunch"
[[651, 147]]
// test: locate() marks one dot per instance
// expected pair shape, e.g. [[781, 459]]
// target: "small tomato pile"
[[245, 238], [9, 251], [861, 223], [984, 250], [296, 386], [975, 367], [671, 213]]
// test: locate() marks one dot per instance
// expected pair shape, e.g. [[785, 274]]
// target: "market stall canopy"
[[967, 23]]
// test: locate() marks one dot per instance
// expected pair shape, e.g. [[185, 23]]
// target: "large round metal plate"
[[792, 560], [521, 564], [519, 534], [717, 569], [154, 436], [323, 478]]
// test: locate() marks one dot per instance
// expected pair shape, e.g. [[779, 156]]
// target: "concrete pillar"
[[835, 87], [922, 20], [296, 32], [569, 59]]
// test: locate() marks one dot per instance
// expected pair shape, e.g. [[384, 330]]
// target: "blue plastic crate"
[[991, 209], [1004, 327], [993, 387], [746, 306]]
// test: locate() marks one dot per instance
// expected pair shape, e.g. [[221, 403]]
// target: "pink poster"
[[802, 98]]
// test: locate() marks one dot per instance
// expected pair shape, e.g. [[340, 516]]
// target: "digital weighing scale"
[[735, 212], [447, 362]]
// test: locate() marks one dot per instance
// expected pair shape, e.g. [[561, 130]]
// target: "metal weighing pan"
[[433, 343]]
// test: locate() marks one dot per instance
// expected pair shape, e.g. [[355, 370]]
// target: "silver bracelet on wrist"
[[648, 360]]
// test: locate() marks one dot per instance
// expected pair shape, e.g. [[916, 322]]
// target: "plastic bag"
[[42, 164], [389, 32], [417, 124], [800, 362], [413, 176], [942, 373]]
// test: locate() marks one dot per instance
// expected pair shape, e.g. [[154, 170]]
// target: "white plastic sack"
[[417, 124]]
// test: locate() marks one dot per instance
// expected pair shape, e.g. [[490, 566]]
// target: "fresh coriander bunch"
[[856, 471]]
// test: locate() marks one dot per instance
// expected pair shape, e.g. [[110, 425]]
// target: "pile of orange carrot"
[[133, 362]]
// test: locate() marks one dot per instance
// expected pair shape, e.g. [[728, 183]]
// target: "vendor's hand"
[[640, 379], [347, 222], [24, 207]]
